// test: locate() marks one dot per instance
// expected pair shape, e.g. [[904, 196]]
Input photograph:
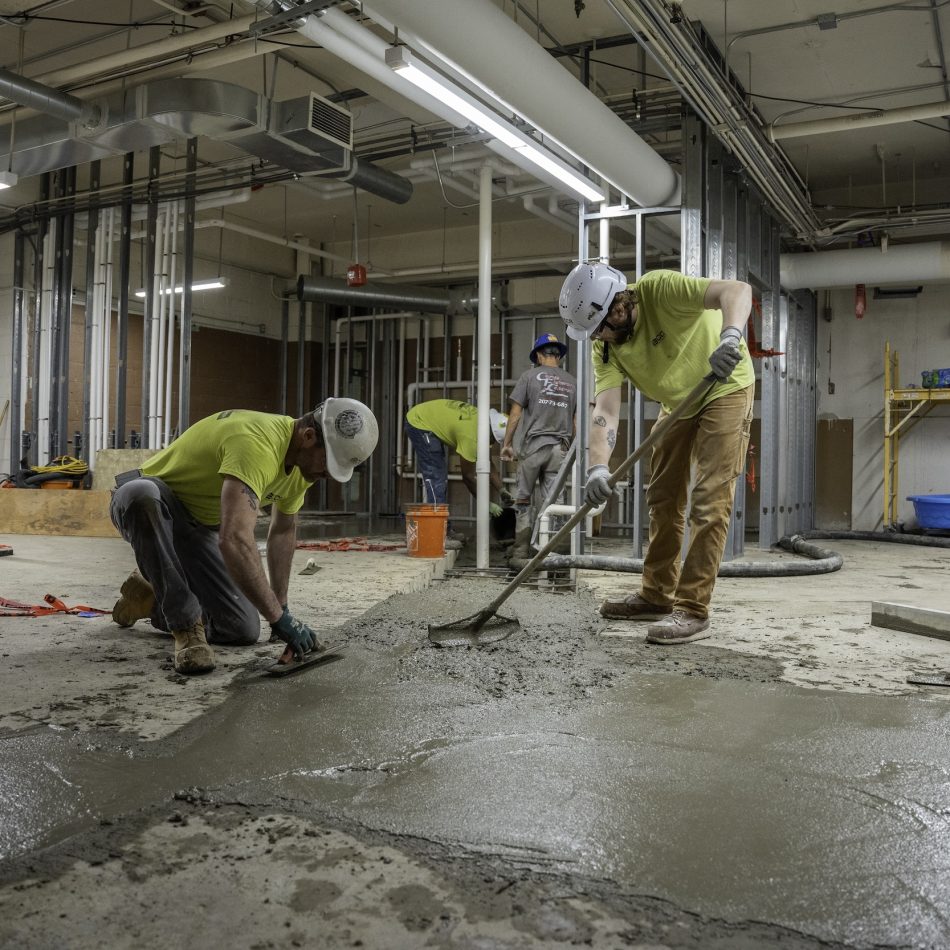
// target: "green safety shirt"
[[668, 351], [452, 422], [248, 445]]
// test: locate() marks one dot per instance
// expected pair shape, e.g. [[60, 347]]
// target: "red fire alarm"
[[355, 275]]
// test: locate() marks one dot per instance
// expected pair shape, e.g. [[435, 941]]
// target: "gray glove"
[[597, 490], [294, 633], [725, 358]]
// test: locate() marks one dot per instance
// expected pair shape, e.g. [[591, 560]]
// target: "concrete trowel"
[[485, 627]]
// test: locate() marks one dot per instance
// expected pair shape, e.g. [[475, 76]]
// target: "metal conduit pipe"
[[34, 95], [822, 561], [336, 291]]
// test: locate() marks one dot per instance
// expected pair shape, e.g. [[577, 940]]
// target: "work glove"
[[597, 490], [726, 356], [296, 634], [507, 499], [494, 509]]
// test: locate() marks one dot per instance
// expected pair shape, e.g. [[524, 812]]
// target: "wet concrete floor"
[[559, 788]]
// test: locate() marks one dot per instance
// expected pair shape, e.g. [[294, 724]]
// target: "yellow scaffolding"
[[902, 409]]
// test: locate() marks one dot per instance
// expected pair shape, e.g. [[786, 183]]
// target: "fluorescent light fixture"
[[8, 179], [399, 59], [213, 284]]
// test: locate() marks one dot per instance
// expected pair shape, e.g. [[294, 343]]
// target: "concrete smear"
[[572, 769]]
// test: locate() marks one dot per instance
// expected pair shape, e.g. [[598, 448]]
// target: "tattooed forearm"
[[612, 438], [599, 421], [251, 497]]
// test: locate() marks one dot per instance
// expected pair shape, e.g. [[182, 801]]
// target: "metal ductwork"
[[306, 135], [395, 297]]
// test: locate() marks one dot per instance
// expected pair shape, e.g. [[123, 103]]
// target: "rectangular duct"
[[316, 124]]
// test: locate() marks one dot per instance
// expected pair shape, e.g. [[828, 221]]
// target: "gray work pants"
[[180, 558]]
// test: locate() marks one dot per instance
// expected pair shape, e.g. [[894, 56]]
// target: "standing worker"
[[543, 404], [190, 512], [439, 426], [663, 333]]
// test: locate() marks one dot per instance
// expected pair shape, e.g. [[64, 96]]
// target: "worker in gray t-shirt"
[[540, 430]]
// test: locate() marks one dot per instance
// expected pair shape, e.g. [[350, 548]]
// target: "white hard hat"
[[350, 434], [499, 422], [586, 296]]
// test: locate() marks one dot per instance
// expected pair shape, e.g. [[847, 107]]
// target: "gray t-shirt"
[[548, 398]]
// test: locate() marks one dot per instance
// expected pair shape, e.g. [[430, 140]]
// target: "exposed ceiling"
[[796, 61]]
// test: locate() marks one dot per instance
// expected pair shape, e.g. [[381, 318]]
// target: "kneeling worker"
[[190, 512]]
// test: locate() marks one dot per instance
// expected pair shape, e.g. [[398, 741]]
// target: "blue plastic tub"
[[933, 511]]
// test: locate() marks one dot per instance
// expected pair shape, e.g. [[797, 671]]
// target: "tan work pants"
[[712, 444]]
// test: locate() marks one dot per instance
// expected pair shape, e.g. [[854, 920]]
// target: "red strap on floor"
[[13, 608], [347, 544]]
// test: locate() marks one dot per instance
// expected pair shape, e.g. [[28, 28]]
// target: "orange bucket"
[[425, 530]]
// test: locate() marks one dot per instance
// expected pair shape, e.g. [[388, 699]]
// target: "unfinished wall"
[[851, 358]]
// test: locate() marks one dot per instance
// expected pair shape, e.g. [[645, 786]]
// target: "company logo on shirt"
[[658, 339], [554, 385]]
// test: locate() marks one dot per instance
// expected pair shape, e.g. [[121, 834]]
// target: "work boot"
[[137, 601], [521, 549], [192, 653], [680, 627], [632, 607]]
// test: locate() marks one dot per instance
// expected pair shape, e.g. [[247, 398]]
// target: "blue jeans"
[[432, 462]]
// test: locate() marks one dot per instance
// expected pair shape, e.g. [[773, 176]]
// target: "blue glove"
[[294, 633], [597, 490], [725, 358], [493, 509]]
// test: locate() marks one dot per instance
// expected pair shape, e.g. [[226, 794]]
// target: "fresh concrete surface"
[[779, 784]]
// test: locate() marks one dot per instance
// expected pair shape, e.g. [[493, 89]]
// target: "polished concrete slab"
[[779, 784]]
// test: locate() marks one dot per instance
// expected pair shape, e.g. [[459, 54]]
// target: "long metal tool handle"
[[698, 393]]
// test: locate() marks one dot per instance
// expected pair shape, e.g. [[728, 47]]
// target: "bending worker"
[[543, 404], [439, 426], [190, 511], [663, 333]]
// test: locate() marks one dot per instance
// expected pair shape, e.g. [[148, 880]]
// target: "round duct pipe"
[[399, 297], [337, 291], [377, 181], [865, 265]]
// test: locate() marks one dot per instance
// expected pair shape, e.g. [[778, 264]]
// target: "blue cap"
[[547, 339]]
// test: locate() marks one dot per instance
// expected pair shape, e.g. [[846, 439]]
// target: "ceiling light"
[[213, 283], [8, 179], [399, 59]]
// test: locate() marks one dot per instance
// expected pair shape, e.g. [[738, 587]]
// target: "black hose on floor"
[[820, 561], [894, 537]]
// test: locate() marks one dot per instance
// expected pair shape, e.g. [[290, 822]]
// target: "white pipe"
[[859, 120], [481, 42], [154, 311], [157, 50], [170, 339], [95, 347], [483, 368], [400, 391], [166, 299], [544, 521], [845, 268], [106, 359], [45, 355]]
